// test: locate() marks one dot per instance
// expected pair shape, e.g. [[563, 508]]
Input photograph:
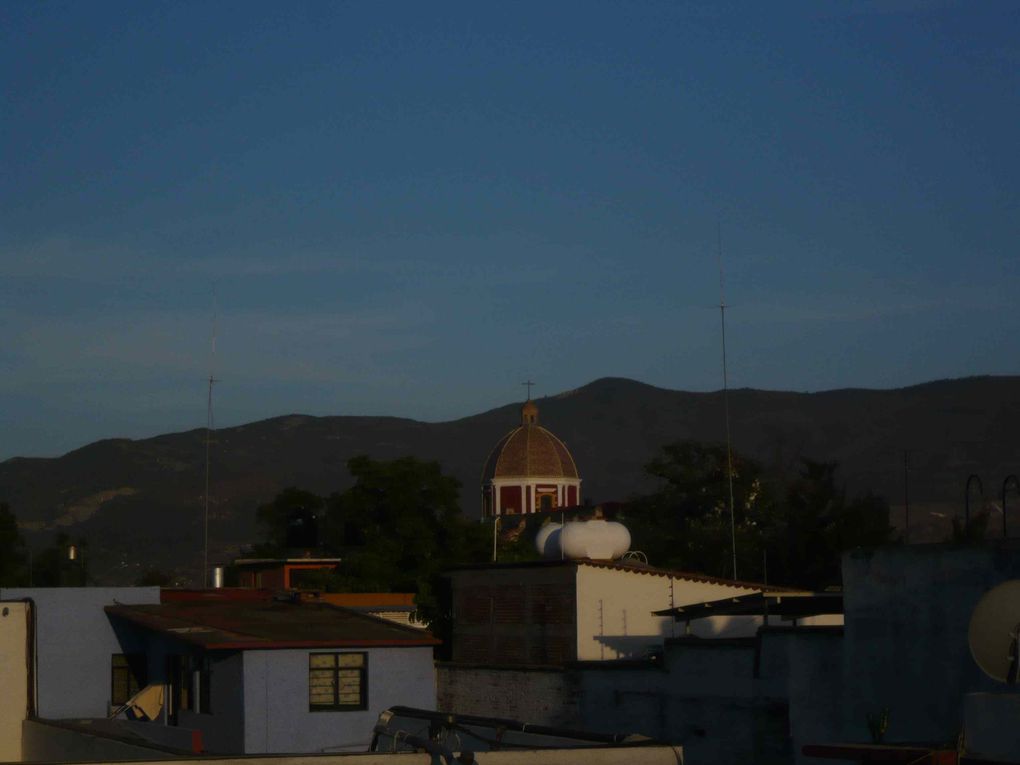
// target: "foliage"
[[396, 529], [154, 578], [685, 523], [12, 550], [790, 531], [53, 568], [878, 724], [399, 526], [274, 518]]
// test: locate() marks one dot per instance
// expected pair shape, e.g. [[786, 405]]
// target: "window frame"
[[337, 706], [136, 675]]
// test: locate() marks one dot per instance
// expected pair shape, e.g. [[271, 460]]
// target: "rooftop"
[[269, 624], [636, 568], [792, 605]]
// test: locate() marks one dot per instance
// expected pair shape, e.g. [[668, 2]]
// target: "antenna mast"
[[208, 443], [726, 404]]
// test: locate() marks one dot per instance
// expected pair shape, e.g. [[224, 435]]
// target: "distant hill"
[[139, 503]]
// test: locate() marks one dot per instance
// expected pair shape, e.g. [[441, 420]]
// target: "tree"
[[277, 520], [685, 523], [54, 568], [817, 523], [153, 577], [797, 529], [398, 527], [12, 549]]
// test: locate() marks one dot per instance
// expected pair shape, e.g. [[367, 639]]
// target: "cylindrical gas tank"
[[597, 540], [547, 541]]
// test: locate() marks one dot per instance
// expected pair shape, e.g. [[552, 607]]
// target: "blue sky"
[[409, 208]]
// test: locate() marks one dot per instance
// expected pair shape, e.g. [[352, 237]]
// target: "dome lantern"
[[529, 413]]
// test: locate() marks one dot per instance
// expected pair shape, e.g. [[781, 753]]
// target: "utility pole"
[[208, 445], [726, 405], [906, 496]]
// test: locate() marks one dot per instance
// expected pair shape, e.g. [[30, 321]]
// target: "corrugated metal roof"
[[629, 567], [225, 625], [787, 604]]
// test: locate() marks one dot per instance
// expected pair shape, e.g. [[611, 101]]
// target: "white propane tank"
[[547, 541], [595, 540]]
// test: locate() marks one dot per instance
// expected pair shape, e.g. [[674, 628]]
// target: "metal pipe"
[[1005, 486], [966, 499]]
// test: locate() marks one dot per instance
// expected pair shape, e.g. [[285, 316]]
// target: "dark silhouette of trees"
[[796, 528], [396, 529], [13, 571]]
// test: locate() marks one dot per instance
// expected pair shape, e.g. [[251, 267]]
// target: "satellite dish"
[[994, 629]]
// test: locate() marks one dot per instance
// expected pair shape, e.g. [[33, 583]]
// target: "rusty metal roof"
[[225, 625], [617, 565], [785, 604]]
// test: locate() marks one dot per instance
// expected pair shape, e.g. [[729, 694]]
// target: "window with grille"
[[127, 677], [337, 681]]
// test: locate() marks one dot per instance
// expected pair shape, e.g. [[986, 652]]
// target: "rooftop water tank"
[[593, 540]]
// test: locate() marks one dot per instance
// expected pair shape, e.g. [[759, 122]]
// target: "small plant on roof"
[[878, 723]]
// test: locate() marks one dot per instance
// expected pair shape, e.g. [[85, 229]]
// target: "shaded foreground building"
[[747, 675], [237, 672]]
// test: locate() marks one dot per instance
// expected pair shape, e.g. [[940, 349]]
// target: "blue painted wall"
[[74, 645], [222, 727], [277, 717]]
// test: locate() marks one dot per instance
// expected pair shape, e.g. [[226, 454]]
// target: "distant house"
[[550, 612], [267, 675], [542, 640], [237, 672], [281, 573]]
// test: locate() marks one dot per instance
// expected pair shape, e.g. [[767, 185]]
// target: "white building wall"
[[75, 641], [13, 677], [615, 619], [277, 717]]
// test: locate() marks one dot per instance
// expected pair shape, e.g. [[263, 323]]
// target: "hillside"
[[140, 502]]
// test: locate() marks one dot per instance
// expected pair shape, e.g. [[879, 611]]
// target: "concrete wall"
[[48, 742], [520, 615], [704, 696], [542, 696], [74, 645], [14, 676], [727, 700], [223, 726], [553, 614], [277, 718], [645, 755], [615, 619], [805, 667], [907, 613]]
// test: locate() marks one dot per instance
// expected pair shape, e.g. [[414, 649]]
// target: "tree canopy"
[[396, 529], [790, 531], [12, 549]]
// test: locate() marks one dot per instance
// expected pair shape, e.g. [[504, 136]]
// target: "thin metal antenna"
[[208, 444], [726, 403]]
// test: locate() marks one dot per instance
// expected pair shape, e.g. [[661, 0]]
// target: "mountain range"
[[139, 503]]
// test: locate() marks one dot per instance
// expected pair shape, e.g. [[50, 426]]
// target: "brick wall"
[[545, 696], [530, 619]]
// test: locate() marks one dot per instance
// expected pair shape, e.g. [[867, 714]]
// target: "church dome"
[[530, 451]]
